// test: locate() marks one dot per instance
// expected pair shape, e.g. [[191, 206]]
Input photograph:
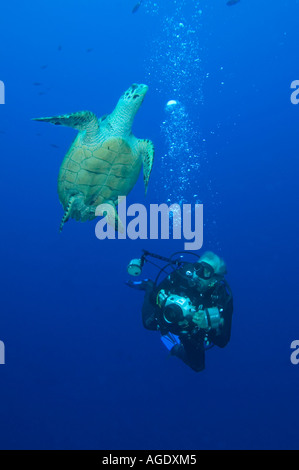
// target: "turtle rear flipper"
[[67, 213], [147, 150], [82, 121], [108, 210]]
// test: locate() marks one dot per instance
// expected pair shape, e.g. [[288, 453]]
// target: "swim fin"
[[170, 340]]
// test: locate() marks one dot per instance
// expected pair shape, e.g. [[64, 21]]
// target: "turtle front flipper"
[[82, 121], [147, 151]]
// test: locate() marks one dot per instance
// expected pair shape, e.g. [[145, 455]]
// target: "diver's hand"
[[200, 319], [183, 324]]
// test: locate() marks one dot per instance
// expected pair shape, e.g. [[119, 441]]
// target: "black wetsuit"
[[191, 348]]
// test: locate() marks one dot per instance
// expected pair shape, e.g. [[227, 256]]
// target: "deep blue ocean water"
[[80, 371]]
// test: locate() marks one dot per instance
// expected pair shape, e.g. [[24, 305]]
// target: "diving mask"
[[204, 270]]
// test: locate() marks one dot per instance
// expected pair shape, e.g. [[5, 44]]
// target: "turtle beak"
[[143, 89], [139, 89]]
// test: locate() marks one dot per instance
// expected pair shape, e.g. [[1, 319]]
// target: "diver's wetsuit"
[[191, 348]]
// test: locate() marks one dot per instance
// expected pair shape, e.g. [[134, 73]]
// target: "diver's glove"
[[138, 285]]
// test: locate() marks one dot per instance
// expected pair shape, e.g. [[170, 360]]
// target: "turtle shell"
[[94, 173]]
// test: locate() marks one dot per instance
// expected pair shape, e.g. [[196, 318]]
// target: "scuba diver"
[[192, 306]]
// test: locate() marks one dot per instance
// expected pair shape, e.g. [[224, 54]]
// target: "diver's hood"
[[213, 260]]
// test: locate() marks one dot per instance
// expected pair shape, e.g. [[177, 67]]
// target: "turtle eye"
[[135, 96]]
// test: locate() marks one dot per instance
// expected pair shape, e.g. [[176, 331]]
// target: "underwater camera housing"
[[175, 308]]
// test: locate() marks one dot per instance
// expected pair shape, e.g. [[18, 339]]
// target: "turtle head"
[[128, 105], [134, 96]]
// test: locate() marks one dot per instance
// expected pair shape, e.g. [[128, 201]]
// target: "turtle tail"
[[67, 213]]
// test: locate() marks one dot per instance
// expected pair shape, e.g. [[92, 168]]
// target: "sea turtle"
[[104, 160]]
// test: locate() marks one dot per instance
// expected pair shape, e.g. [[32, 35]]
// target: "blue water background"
[[81, 372]]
